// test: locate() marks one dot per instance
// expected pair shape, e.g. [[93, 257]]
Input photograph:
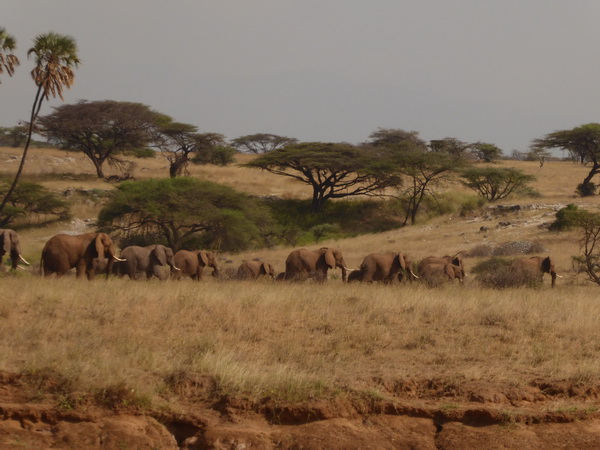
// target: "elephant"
[[62, 252], [192, 263], [456, 260], [434, 273], [381, 267], [251, 270], [9, 243], [148, 259], [303, 263], [535, 266]]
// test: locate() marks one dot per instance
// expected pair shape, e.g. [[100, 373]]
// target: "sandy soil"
[[418, 414]]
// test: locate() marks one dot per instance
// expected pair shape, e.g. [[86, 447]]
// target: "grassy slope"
[[297, 341]]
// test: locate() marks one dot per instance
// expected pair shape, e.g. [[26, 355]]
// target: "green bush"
[[566, 218]]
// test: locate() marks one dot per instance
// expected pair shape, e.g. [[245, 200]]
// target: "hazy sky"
[[500, 71]]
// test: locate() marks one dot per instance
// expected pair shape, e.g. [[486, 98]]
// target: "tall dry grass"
[[293, 341]]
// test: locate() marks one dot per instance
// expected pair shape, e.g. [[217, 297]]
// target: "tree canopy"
[[261, 142], [30, 200], [332, 170], [102, 130], [495, 183], [181, 208], [582, 141], [8, 60], [396, 136]]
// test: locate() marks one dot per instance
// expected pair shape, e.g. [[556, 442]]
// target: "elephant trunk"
[[553, 275]]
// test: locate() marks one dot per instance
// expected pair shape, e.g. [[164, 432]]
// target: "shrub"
[[566, 218], [496, 273]]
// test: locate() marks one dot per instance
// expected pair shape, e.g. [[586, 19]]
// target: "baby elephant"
[[149, 260], [436, 273], [251, 270]]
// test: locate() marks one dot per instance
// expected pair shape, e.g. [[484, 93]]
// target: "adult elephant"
[[382, 267], [303, 263], [149, 260], [251, 270], [9, 243], [535, 266], [192, 263], [63, 252], [456, 260], [436, 273]]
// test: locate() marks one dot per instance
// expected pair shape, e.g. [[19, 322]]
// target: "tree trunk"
[[99, 170]]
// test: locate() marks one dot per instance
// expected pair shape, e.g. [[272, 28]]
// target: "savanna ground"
[[231, 364]]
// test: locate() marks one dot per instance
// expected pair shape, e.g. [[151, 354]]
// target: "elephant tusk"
[[118, 259], [22, 268], [23, 259], [414, 274], [176, 268], [558, 276]]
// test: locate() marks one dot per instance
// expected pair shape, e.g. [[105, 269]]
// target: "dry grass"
[[298, 341], [294, 341]]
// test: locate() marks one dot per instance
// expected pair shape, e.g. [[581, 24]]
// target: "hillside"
[[229, 364]]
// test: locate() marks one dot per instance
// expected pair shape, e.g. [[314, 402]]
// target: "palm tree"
[[8, 60], [55, 56]]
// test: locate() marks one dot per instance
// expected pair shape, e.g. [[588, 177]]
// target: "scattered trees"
[[582, 142], [495, 183], [13, 136], [55, 57], [102, 130], [332, 170], [179, 209], [261, 142]]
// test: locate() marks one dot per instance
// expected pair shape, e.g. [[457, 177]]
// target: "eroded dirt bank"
[[417, 415]]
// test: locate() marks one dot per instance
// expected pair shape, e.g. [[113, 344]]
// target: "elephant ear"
[[99, 245], [161, 255], [401, 260], [546, 265], [449, 270], [264, 268], [203, 257], [330, 258], [6, 241]]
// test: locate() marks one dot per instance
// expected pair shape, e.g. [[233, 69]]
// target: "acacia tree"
[[583, 141], [179, 208], [589, 260], [484, 151], [494, 183], [102, 130], [423, 171], [183, 144], [30, 200], [8, 60], [386, 137], [55, 57], [261, 142], [332, 170]]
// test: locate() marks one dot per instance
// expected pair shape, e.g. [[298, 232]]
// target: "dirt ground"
[[418, 414]]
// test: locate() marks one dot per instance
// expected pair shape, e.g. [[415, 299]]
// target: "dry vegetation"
[[294, 342]]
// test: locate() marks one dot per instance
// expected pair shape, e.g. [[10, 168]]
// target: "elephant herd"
[[95, 253]]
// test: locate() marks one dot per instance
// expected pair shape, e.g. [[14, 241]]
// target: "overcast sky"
[[500, 71]]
